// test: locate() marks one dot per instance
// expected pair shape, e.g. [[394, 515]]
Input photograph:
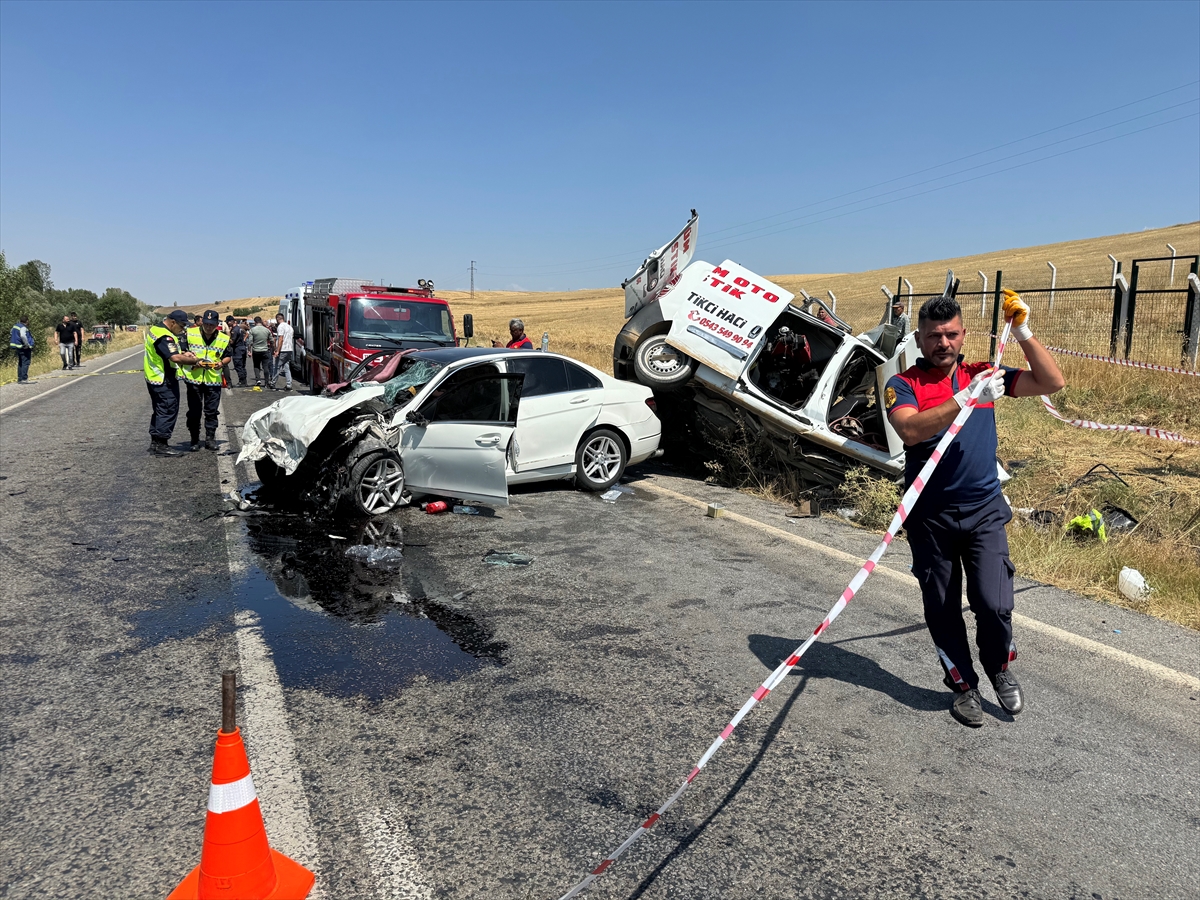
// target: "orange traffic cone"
[[236, 862]]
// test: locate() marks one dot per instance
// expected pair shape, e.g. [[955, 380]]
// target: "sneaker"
[[1008, 692], [163, 450], [26, 381], [288, 388], [968, 708], [195, 445], [210, 443]]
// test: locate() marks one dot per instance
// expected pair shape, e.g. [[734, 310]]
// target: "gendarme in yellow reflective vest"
[[152, 364], [206, 353]]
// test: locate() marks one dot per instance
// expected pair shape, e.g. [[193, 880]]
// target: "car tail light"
[[653, 406]]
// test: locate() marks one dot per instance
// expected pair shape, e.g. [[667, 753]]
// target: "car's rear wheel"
[[600, 460], [660, 366], [377, 482]]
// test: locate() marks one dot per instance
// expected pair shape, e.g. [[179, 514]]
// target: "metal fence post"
[[996, 315], [1053, 281], [1131, 308], [1120, 299], [982, 295], [1191, 322]]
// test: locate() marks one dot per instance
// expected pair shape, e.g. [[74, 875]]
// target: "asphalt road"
[[459, 729]]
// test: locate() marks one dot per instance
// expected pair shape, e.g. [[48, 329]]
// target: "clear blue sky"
[[197, 152]]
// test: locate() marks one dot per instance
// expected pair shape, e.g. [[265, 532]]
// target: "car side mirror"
[[416, 418], [468, 326]]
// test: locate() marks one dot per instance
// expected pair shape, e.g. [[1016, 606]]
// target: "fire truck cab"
[[348, 319]]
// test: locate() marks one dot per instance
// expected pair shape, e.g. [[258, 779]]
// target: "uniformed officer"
[[209, 345], [162, 356], [956, 528]]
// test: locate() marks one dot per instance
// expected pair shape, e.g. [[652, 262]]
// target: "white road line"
[[1157, 670], [393, 859], [269, 741], [76, 380]]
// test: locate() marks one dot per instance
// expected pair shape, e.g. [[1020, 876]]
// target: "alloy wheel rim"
[[601, 458], [381, 485]]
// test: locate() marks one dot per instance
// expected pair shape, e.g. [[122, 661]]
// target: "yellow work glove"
[[1018, 310]]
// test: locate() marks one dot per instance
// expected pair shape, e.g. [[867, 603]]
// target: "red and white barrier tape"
[[781, 672], [1124, 362], [1099, 426]]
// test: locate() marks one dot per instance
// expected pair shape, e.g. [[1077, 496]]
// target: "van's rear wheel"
[[660, 366]]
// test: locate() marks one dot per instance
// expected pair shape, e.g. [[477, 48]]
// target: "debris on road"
[[467, 510], [376, 557], [611, 496], [715, 510], [436, 506], [1132, 584], [507, 558]]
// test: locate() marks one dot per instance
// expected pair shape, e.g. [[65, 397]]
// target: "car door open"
[[456, 443]]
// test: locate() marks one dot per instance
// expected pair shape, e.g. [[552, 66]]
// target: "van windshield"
[[406, 320]]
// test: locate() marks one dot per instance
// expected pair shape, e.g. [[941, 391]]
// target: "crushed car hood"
[[284, 430]]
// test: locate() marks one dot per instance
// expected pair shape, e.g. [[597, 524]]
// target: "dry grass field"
[[1162, 480]]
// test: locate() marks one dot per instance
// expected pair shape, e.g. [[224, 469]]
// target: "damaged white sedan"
[[457, 422]]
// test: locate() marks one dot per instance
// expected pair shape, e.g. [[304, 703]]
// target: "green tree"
[[19, 296], [117, 307]]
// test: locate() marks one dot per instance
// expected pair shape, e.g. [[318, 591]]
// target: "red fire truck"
[[346, 320]]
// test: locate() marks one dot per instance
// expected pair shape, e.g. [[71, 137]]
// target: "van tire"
[[661, 367]]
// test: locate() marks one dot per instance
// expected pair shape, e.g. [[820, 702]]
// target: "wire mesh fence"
[[1149, 322]]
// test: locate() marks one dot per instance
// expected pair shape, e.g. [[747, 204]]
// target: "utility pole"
[[472, 279]]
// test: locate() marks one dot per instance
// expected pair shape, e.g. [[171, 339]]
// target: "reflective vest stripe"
[[213, 353], [153, 366], [223, 798]]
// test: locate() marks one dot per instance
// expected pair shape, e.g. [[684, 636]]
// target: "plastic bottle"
[[545, 341], [436, 506]]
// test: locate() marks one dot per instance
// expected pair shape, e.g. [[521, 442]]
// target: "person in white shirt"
[[284, 348]]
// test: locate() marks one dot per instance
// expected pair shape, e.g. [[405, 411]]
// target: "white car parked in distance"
[[458, 422]]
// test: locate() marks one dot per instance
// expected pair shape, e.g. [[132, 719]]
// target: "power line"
[[627, 256], [964, 181]]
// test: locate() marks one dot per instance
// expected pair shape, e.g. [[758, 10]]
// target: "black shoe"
[[210, 443], [195, 445], [163, 450], [1008, 692], [968, 708]]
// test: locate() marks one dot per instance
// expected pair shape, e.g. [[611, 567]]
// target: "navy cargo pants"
[[203, 399], [947, 542], [164, 408]]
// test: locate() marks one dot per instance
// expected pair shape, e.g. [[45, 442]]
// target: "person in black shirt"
[[237, 350], [77, 351], [64, 336]]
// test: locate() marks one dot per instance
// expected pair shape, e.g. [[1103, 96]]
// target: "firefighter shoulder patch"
[[889, 397]]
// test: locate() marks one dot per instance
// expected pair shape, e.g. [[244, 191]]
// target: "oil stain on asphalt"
[[336, 623]]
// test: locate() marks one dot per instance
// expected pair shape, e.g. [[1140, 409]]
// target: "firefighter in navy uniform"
[[210, 347], [162, 355], [956, 528]]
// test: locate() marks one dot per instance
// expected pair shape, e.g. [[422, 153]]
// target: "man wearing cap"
[[162, 354], [209, 345]]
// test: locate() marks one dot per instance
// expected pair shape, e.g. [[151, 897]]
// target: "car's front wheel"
[[660, 366], [600, 460], [377, 482]]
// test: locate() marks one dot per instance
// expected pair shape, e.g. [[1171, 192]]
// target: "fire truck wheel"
[[660, 366]]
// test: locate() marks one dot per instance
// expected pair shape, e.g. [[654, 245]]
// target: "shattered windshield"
[[414, 374], [399, 320]]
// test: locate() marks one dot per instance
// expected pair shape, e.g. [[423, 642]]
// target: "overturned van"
[[734, 345]]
